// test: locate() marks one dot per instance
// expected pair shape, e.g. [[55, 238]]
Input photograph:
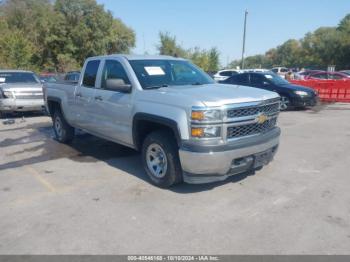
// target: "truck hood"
[[215, 94]]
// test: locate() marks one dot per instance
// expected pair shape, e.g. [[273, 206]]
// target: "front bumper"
[[305, 101], [219, 163], [21, 105]]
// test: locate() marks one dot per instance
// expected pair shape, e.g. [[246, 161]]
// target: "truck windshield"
[[161, 73], [18, 77]]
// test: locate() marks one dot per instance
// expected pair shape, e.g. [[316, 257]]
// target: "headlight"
[[206, 115], [8, 94], [206, 132], [301, 93]]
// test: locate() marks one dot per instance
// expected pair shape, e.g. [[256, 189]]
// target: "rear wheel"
[[161, 160], [285, 103], [63, 131]]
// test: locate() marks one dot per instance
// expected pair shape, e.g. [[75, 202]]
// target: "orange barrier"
[[328, 90]]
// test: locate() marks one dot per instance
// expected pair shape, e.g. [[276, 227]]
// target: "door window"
[[227, 73], [320, 76], [242, 79], [256, 80], [91, 73], [334, 76], [113, 70]]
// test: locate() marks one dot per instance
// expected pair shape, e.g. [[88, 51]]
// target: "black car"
[[291, 95]]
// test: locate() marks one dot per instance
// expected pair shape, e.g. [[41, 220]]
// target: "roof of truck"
[[139, 57]]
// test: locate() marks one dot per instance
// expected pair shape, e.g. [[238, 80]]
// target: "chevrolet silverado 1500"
[[187, 127], [20, 91]]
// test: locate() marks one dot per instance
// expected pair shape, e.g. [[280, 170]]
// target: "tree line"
[[316, 50], [208, 60], [57, 36]]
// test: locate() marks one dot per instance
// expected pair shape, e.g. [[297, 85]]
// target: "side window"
[[275, 70], [242, 79], [334, 76], [320, 76], [256, 80], [226, 73], [231, 80], [91, 73], [284, 70], [113, 70]]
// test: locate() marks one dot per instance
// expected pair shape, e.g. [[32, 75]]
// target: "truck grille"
[[268, 109], [40, 96], [251, 129]]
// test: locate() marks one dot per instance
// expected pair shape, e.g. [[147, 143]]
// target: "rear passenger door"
[[112, 109], [84, 95]]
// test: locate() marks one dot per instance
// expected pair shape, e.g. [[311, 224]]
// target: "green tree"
[[16, 51], [64, 32], [169, 46], [344, 52], [214, 59], [207, 60], [92, 30], [288, 54]]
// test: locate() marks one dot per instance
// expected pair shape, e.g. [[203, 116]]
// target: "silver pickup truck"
[[20, 91], [187, 127]]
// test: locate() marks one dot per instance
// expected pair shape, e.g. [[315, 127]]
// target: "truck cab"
[[187, 127]]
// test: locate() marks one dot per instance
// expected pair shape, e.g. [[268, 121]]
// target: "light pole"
[[244, 33]]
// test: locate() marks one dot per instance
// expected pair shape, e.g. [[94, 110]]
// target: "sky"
[[209, 23]]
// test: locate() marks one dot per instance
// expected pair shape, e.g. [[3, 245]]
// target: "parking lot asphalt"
[[93, 197]]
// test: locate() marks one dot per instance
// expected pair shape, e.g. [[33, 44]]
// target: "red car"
[[329, 76]]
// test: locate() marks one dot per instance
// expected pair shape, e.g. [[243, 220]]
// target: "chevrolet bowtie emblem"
[[262, 118]]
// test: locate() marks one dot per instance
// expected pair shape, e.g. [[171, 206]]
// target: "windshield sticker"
[[154, 70], [2, 79], [268, 76]]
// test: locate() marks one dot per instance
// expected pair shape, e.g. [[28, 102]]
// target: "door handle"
[[78, 95], [99, 98]]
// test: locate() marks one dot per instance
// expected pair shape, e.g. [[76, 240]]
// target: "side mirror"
[[116, 84]]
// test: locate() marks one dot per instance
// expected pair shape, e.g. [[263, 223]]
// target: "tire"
[[160, 159], [63, 131], [285, 103]]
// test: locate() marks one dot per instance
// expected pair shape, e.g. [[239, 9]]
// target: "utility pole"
[[244, 34]]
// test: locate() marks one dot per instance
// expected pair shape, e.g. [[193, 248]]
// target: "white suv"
[[281, 71], [224, 74]]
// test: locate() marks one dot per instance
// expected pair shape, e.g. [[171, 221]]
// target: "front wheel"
[[161, 160], [285, 103]]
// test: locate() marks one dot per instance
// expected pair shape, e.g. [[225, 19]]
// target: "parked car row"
[[22, 91]]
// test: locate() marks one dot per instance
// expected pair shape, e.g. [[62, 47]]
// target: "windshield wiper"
[[156, 87], [197, 84]]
